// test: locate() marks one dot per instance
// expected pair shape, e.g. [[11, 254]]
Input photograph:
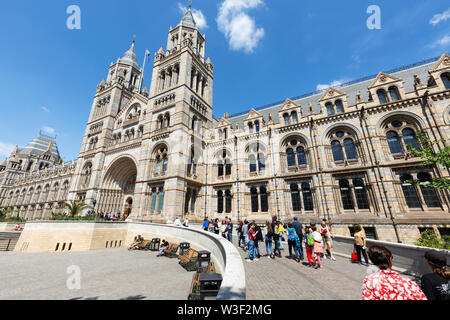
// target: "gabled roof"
[[406, 73], [382, 79]]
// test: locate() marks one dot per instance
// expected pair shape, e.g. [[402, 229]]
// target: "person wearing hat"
[[436, 285]]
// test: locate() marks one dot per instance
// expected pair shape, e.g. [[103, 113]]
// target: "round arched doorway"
[[118, 187]]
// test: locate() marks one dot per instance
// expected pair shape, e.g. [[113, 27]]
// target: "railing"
[[408, 259]]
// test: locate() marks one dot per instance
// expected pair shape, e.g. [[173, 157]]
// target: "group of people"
[[387, 284], [223, 228], [112, 217], [315, 240]]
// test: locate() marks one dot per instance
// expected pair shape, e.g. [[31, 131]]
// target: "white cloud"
[[237, 26], [335, 83], [6, 149], [444, 42], [199, 17], [45, 109], [48, 130], [437, 18]]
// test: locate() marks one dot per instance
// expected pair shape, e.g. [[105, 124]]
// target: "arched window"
[[307, 197], [350, 149], [220, 201], [220, 168], [160, 122], [429, 194], [158, 164], [286, 119], [154, 195], [394, 94], [346, 195], [165, 163], [330, 109], [338, 153], [290, 157], [339, 106], [394, 142], [382, 96], [161, 199], [294, 117], [254, 199], [257, 126], [162, 160], [250, 127], [227, 167], [360, 194], [410, 192], [220, 135], [295, 195], [225, 133], [446, 80], [252, 161], [264, 200], [167, 120], [261, 162], [227, 201], [301, 156], [410, 137]]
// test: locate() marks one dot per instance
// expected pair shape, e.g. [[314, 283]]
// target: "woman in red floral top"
[[387, 284]]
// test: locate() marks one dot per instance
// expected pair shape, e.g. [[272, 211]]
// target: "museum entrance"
[[118, 188]]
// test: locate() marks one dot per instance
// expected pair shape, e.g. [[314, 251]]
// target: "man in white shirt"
[[177, 222]]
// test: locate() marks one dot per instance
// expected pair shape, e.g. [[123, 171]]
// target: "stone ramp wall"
[[55, 236]]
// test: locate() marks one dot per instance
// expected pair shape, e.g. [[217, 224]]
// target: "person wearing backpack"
[[281, 230], [258, 238], [292, 242], [268, 239], [309, 246], [276, 236]]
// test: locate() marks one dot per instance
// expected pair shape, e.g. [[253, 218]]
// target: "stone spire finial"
[[190, 4]]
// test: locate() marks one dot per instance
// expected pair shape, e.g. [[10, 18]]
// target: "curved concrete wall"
[[408, 259], [83, 236], [226, 256]]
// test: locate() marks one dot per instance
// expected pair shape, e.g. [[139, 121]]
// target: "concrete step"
[[8, 245], [10, 235]]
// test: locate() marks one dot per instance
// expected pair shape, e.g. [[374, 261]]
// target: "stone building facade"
[[338, 154]]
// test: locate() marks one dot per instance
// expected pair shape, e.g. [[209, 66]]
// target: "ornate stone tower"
[[123, 82], [181, 106]]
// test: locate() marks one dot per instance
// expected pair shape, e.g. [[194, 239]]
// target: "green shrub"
[[429, 239]]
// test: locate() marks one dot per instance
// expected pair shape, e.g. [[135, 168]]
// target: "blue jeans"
[[230, 237], [241, 239], [281, 243], [251, 250], [300, 249], [269, 246], [246, 240]]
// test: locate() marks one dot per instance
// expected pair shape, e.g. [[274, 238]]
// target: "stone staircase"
[[8, 240]]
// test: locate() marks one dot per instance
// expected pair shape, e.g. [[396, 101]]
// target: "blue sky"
[[263, 51]]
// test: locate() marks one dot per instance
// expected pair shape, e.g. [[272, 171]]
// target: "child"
[[318, 249], [309, 245]]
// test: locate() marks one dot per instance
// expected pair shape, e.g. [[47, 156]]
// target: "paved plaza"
[[106, 274]]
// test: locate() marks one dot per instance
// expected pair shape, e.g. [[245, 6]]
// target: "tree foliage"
[[429, 239], [75, 207], [433, 158]]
